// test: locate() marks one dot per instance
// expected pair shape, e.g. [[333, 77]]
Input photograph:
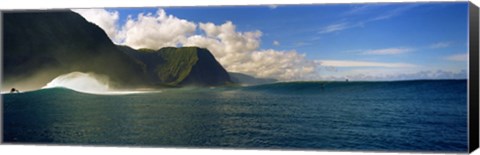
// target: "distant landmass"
[[39, 46], [245, 79]]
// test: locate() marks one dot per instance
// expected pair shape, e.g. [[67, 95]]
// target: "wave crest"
[[82, 82], [86, 83]]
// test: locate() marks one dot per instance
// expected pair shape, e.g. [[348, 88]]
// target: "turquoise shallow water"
[[378, 116]]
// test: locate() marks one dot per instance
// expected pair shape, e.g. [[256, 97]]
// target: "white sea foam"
[[88, 83]]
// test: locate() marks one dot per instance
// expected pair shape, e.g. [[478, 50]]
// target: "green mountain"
[[39, 46], [172, 66]]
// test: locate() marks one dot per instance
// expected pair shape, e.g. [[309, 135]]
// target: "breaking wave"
[[87, 83]]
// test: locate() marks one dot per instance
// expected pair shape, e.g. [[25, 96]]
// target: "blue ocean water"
[[423, 115]]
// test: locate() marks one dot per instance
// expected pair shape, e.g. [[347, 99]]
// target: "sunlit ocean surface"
[[428, 115]]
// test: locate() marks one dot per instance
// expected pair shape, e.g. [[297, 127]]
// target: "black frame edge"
[[1, 76], [473, 108]]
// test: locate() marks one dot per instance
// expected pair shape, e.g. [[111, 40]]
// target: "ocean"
[[418, 116]]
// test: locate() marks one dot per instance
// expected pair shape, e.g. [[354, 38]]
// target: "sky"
[[363, 42]]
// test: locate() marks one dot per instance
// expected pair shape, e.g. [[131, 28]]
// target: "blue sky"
[[379, 40]]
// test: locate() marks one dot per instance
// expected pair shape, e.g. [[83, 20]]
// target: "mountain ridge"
[[181, 66], [39, 46]]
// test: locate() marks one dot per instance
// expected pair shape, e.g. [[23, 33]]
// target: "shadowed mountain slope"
[[39, 46]]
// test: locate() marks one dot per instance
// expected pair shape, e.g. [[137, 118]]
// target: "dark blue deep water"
[[425, 115]]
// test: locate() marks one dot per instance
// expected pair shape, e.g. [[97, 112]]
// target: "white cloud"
[[225, 43], [457, 57], [239, 52], [387, 51], [276, 43], [350, 63], [334, 27], [359, 9], [383, 15], [146, 31], [103, 18], [272, 6], [155, 31], [441, 45], [393, 12]]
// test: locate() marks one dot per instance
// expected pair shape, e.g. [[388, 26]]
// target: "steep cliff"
[[43, 45], [172, 66], [39, 46]]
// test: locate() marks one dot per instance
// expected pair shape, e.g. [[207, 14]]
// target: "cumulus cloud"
[[155, 31], [152, 31], [236, 51], [387, 51], [239, 52], [457, 57], [104, 19], [350, 63]]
